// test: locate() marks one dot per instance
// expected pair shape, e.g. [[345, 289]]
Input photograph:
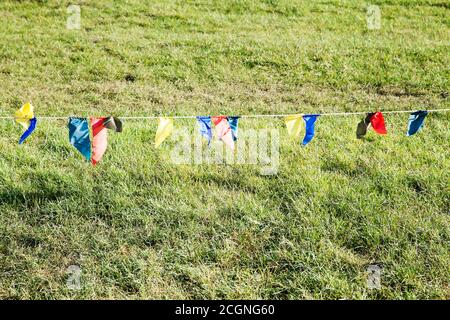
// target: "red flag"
[[377, 122], [99, 139], [223, 130], [217, 119]]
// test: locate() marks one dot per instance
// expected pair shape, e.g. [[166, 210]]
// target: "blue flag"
[[310, 120], [205, 127], [79, 136], [233, 122], [29, 131], [416, 121]]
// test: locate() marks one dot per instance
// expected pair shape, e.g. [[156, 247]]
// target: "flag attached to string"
[[293, 125], [99, 139], [233, 123], [165, 128], [30, 129], [113, 123], [79, 136], [376, 120], [223, 130], [415, 122], [25, 117], [100, 135], [362, 127], [204, 123], [310, 120]]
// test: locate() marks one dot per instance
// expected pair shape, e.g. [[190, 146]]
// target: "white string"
[[337, 114]]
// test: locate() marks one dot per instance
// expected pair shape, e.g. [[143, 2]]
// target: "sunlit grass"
[[142, 227]]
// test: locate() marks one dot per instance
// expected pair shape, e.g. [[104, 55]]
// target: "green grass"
[[140, 227]]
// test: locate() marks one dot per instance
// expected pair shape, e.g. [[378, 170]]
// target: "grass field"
[[139, 226]]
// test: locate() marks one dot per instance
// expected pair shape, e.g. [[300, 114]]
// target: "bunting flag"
[[233, 122], [113, 123], [415, 123], [29, 131], [100, 135], [361, 129], [165, 128], [99, 139], [205, 127], [25, 117], [79, 136], [310, 121], [377, 122], [293, 125], [226, 127], [223, 130]]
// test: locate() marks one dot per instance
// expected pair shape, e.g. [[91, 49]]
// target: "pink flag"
[[99, 139], [223, 130]]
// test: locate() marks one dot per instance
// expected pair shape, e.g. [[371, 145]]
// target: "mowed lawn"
[[140, 226]]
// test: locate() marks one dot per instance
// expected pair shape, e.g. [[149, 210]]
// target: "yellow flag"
[[24, 115], [293, 125], [165, 128]]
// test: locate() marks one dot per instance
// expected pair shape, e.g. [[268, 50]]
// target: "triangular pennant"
[[361, 129], [99, 138], [29, 131], [165, 128], [79, 136], [233, 122], [415, 122], [294, 125], [310, 120], [25, 117], [223, 130], [377, 122], [204, 123], [113, 123]]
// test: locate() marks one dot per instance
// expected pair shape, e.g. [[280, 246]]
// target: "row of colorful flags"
[[79, 135], [90, 138]]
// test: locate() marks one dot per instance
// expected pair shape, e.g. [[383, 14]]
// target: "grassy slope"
[[142, 228]]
